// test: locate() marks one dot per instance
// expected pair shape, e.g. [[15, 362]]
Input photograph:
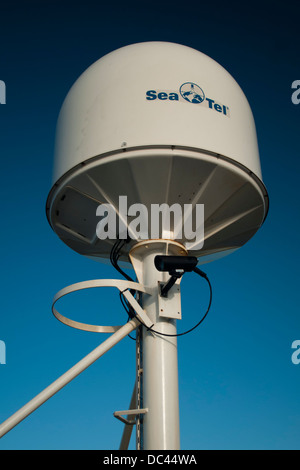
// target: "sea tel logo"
[[192, 93], [188, 92]]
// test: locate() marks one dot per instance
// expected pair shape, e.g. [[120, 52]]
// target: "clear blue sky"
[[238, 386]]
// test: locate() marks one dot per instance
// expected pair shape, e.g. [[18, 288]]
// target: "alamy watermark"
[[2, 352], [296, 94], [2, 92], [296, 354], [175, 222]]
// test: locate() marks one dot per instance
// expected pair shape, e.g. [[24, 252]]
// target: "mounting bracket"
[[131, 422], [123, 286]]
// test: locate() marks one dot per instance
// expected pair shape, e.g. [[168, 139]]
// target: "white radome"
[[160, 123]]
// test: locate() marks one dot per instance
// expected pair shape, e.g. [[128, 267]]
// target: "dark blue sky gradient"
[[238, 386]]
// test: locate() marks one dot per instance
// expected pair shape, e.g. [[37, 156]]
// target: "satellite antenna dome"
[[154, 129], [157, 123]]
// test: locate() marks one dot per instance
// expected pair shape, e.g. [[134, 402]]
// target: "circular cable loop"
[[122, 285]]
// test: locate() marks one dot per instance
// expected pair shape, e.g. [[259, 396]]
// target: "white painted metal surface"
[[160, 426]]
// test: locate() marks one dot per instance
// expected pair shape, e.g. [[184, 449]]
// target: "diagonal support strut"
[[64, 379]]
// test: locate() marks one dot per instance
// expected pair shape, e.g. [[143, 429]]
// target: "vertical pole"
[[160, 425]]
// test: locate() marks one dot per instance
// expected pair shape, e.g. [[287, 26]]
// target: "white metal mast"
[[160, 425]]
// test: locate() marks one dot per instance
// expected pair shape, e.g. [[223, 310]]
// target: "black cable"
[[114, 257], [194, 327]]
